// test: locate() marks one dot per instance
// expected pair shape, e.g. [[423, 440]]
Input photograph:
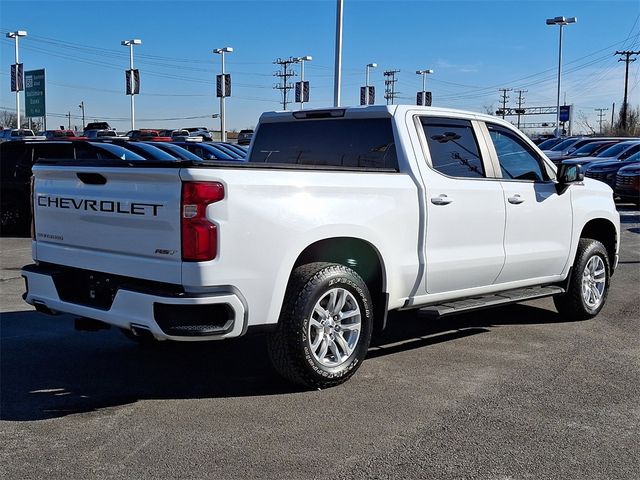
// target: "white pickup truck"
[[337, 217]]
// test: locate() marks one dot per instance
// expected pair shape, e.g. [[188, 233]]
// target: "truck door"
[[539, 221], [465, 207]]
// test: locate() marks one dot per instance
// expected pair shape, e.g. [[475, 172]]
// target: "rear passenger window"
[[453, 147], [366, 143], [517, 160]]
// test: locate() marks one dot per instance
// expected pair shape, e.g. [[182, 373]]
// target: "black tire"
[[290, 345], [572, 304]]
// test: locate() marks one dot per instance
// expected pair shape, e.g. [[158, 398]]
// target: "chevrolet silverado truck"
[[338, 216]]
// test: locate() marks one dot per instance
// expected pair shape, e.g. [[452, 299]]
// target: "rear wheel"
[[589, 282], [324, 328]]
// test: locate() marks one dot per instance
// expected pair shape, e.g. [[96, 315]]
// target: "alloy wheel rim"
[[334, 327], [593, 282]]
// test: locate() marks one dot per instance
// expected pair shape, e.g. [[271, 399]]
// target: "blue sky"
[[475, 47]]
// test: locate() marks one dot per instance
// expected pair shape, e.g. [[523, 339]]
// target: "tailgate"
[[118, 220]]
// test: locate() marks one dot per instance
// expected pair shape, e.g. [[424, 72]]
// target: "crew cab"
[[337, 216]]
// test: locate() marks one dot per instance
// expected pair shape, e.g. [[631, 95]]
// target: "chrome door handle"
[[441, 199], [516, 199]]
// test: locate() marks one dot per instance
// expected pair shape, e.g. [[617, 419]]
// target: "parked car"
[[619, 151], [200, 132], [606, 170], [176, 150], [16, 160], [226, 148], [59, 134], [550, 142], [99, 134], [145, 150], [242, 151], [206, 151], [244, 137], [588, 150], [13, 134], [558, 153], [147, 134], [627, 185], [98, 126]]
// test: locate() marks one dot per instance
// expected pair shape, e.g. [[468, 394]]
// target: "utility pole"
[[504, 99], [390, 86], [68, 115], [627, 60], [284, 86], [601, 115], [520, 110]]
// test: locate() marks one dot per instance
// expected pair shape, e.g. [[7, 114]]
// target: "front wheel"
[[325, 326], [589, 282]]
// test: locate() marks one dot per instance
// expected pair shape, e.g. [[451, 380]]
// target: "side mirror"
[[569, 174]]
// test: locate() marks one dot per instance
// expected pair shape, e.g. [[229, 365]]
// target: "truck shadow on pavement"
[[48, 370]]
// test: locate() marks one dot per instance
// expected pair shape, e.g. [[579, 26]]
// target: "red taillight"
[[199, 235]]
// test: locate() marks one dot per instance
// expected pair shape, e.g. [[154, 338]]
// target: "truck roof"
[[374, 111]]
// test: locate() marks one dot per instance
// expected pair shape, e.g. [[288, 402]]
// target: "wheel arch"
[[362, 257], [605, 232]]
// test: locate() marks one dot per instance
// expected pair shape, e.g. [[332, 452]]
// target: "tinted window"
[[614, 150], [366, 143], [588, 148], [104, 151], [547, 144], [517, 160], [629, 152], [149, 151], [179, 152], [53, 150], [453, 147]]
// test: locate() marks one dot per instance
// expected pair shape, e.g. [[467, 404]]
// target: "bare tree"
[[584, 122], [633, 124], [7, 119]]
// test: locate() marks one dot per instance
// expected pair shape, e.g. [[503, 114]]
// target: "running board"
[[492, 300]]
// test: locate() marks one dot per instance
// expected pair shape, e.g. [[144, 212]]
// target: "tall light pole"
[[306, 58], [561, 21], [422, 97], [133, 87], [337, 75], [15, 35], [221, 52], [369, 66], [81, 107]]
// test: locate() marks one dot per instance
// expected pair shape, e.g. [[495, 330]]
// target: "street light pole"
[[561, 21], [337, 76], [369, 66], [223, 131], [15, 35], [424, 74], [306, 58], [130, 44], [81, 106]]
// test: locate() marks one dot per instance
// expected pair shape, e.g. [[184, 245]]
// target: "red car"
[[147, 135]]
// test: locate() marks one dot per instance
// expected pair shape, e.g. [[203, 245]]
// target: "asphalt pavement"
[[509, 393]]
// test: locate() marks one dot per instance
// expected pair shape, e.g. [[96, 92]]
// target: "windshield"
[[564, 145], [150, 152], [361, 143], [614, 150]]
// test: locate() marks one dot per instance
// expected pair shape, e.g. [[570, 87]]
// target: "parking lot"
[[512, 393]]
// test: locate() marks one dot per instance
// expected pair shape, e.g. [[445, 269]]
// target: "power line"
[[601, 115], [504, 99]]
